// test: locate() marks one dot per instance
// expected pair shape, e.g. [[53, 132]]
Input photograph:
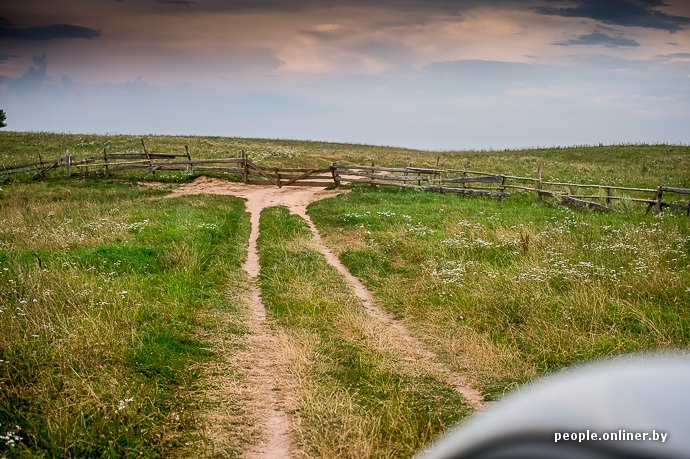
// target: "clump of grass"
[[354, 397], [506, 291], [98, 334]]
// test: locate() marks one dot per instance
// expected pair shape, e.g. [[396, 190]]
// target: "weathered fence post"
[[437, 174], [40, 170], [275, 170], [68, 166], [245, 171], [190, 166], [657, 207], [502, 188], [105, 160], [148, 156], [336, 179], [608, 196], [464, 175], [537, 188], [650, 205]]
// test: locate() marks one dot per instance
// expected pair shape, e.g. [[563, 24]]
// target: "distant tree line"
[[3, 117]]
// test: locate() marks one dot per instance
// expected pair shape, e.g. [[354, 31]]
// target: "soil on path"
[[264, 349], [260, 359]]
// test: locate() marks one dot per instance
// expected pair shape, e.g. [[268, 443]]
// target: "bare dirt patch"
[[261, 358]]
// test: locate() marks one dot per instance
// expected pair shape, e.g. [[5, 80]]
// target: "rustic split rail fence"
[[451, 181]]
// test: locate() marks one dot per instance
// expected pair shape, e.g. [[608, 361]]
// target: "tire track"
[[460, 384], [262, 358]]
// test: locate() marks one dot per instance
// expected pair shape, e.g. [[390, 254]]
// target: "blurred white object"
[[648, 394]]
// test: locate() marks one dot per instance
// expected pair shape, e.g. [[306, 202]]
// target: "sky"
[[429, 74]]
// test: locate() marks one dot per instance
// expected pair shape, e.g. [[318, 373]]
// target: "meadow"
[[120, 310], [510, 290], [105, 291]]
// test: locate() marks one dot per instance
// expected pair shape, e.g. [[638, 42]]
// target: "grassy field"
[[105, 291], [509, 290], [120, 310]]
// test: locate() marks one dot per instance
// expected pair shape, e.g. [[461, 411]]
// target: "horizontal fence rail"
[[451, 181]]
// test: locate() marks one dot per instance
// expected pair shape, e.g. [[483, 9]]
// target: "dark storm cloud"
[[434, 6], [177, 2], [46, 32], [628, 13], [7, 57], [599, 38]]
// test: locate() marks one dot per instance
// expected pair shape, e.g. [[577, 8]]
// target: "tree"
[[3, 117]]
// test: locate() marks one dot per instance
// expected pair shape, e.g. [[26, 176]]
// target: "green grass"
[[508, 290], [104, 289], [354, 399]]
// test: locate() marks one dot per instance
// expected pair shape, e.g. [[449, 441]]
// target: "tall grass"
[[103, 291], [355, 395], [505, 290]]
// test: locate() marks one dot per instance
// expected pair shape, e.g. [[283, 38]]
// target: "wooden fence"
[[481, 183], [466, 182], [439, 180]]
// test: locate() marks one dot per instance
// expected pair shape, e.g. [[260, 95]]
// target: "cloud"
[[469, 104], [34, 77], [177, 2], [349, 49], [46, 32], [452, 7], [674, 57], [627, 13], [7, 57], [599, 38], [328, 32]]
